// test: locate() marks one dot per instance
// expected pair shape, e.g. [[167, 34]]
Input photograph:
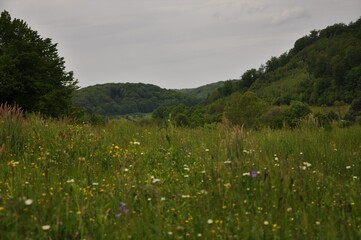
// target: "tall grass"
[[126, 181]]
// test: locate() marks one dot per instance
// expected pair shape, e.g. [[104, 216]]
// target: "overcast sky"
[[174, 43]]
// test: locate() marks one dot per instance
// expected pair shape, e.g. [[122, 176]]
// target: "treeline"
[[117, 99]]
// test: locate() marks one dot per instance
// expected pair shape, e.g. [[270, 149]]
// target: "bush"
[[296, 111]]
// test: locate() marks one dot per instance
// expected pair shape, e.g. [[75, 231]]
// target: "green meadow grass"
[[60, 180]]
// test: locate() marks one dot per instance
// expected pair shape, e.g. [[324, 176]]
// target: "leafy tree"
[[245, 109], [249, 77], [32, 74], [296, 111]]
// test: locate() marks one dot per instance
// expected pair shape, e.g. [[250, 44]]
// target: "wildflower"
[[95, 184], [28, 202], [122, 209], [207, 150], [227, 162], [275, 227], [45, 227], [348, 167], [2, 209], [227, 185], [136, 143], [307, 164], [13, 163], [155, 180], [266, 222], [186, 168], [246, 174], [318, 222], [186, 196], [253, 174], [70, 181], [210, 221]]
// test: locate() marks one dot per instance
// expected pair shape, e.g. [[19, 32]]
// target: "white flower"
[[307, 164], [95, 184], [45, 227], [70, 181], [28, 202], [136, 143], [348, 167], [246, 174], [209, 221], [155, 180]]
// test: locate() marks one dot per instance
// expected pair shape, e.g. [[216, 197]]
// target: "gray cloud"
[[175, 44]]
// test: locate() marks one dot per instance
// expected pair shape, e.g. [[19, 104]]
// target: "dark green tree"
[[32, 75], [245, 109]]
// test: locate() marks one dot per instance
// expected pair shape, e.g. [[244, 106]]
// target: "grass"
[[126, 181]]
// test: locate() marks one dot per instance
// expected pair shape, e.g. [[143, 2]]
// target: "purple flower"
[[253, 174], [122, 208]]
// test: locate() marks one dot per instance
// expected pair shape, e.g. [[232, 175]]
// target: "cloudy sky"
[[174, 43]]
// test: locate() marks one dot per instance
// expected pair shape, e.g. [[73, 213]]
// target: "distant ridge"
[[117, 99]]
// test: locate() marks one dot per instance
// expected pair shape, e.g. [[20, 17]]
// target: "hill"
[[323, 68], [116, 99], [202, 92]]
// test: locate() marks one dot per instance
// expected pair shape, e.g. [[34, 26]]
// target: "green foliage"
[[119, 99], [182, 115], [355, 110], [32, 74], [296, 111], [202, 92], [245, 109]]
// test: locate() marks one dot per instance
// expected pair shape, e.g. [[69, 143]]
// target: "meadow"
[[124, 180]]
